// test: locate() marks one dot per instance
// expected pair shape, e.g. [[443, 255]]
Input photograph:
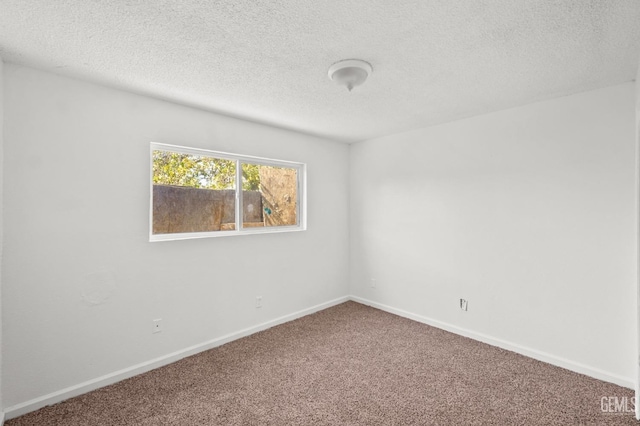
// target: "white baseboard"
[[88, 386], [99, 382], [513, 347]]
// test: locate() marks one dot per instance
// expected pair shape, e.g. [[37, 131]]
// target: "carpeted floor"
[[347, 365]]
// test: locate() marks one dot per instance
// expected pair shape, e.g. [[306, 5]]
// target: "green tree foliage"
[[195, 171], [250, 177]]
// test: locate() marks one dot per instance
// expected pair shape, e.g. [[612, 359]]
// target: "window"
[[197, 193]]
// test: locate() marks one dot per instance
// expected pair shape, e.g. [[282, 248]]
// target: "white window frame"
[[301, 207]]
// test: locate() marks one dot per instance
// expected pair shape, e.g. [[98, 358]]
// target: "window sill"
[[230, 233]]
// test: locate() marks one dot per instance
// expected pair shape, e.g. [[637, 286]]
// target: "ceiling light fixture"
[[350, 72]]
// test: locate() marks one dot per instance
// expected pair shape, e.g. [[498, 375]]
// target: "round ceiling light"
[[350, 72]]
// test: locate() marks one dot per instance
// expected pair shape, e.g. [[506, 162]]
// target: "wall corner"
[[1, 221]]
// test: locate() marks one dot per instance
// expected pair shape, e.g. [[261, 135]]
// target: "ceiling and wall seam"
[[266, 62]]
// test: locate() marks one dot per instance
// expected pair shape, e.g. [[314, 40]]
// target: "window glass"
[[269, 196], [194, 194]]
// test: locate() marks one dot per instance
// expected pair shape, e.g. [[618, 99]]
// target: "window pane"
[[192, 193], [269, 196]]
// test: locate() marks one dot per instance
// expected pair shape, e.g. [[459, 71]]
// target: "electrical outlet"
[[374, 284], [258, 301], [463, 304], [157, 325]]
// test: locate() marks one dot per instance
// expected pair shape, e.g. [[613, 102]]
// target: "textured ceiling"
[[434, 60]]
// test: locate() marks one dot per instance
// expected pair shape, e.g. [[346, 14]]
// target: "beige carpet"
[[347, 365]]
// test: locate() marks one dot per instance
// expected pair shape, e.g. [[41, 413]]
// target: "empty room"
[[332, 213]]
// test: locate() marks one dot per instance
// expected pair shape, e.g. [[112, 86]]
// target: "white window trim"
[[301, 208]]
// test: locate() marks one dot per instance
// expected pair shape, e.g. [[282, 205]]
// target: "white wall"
[[528, 213], [1, 219], [638, 242], [81, 282]]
